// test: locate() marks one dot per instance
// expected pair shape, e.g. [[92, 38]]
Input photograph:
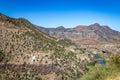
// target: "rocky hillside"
[[19, 37], [26, 53], [92, 34]]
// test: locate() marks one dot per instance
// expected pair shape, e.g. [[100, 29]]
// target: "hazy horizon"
[[67, 13]]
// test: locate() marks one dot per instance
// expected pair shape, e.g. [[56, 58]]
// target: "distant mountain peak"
[[96, 24], [60, 28], [80, 27]]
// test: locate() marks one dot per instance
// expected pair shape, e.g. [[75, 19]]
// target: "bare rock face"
[[92, 34]]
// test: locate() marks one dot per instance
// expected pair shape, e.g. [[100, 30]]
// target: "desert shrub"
[[110, 69], [116, 60], [65, 42], [2, 56]]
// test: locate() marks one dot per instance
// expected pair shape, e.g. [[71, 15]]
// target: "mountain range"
[[81, 34], [30, 52]]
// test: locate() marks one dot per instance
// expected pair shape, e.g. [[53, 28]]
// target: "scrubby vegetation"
[[2, 56], [105, 72], [65, 42], [28, 54]]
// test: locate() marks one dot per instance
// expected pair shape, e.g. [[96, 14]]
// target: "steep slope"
[[92, 34], [19, 37], [29, 54]]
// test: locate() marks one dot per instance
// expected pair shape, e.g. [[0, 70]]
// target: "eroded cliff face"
[[92, 34]]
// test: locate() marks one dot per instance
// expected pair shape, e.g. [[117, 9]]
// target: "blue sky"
[[68, 13]]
